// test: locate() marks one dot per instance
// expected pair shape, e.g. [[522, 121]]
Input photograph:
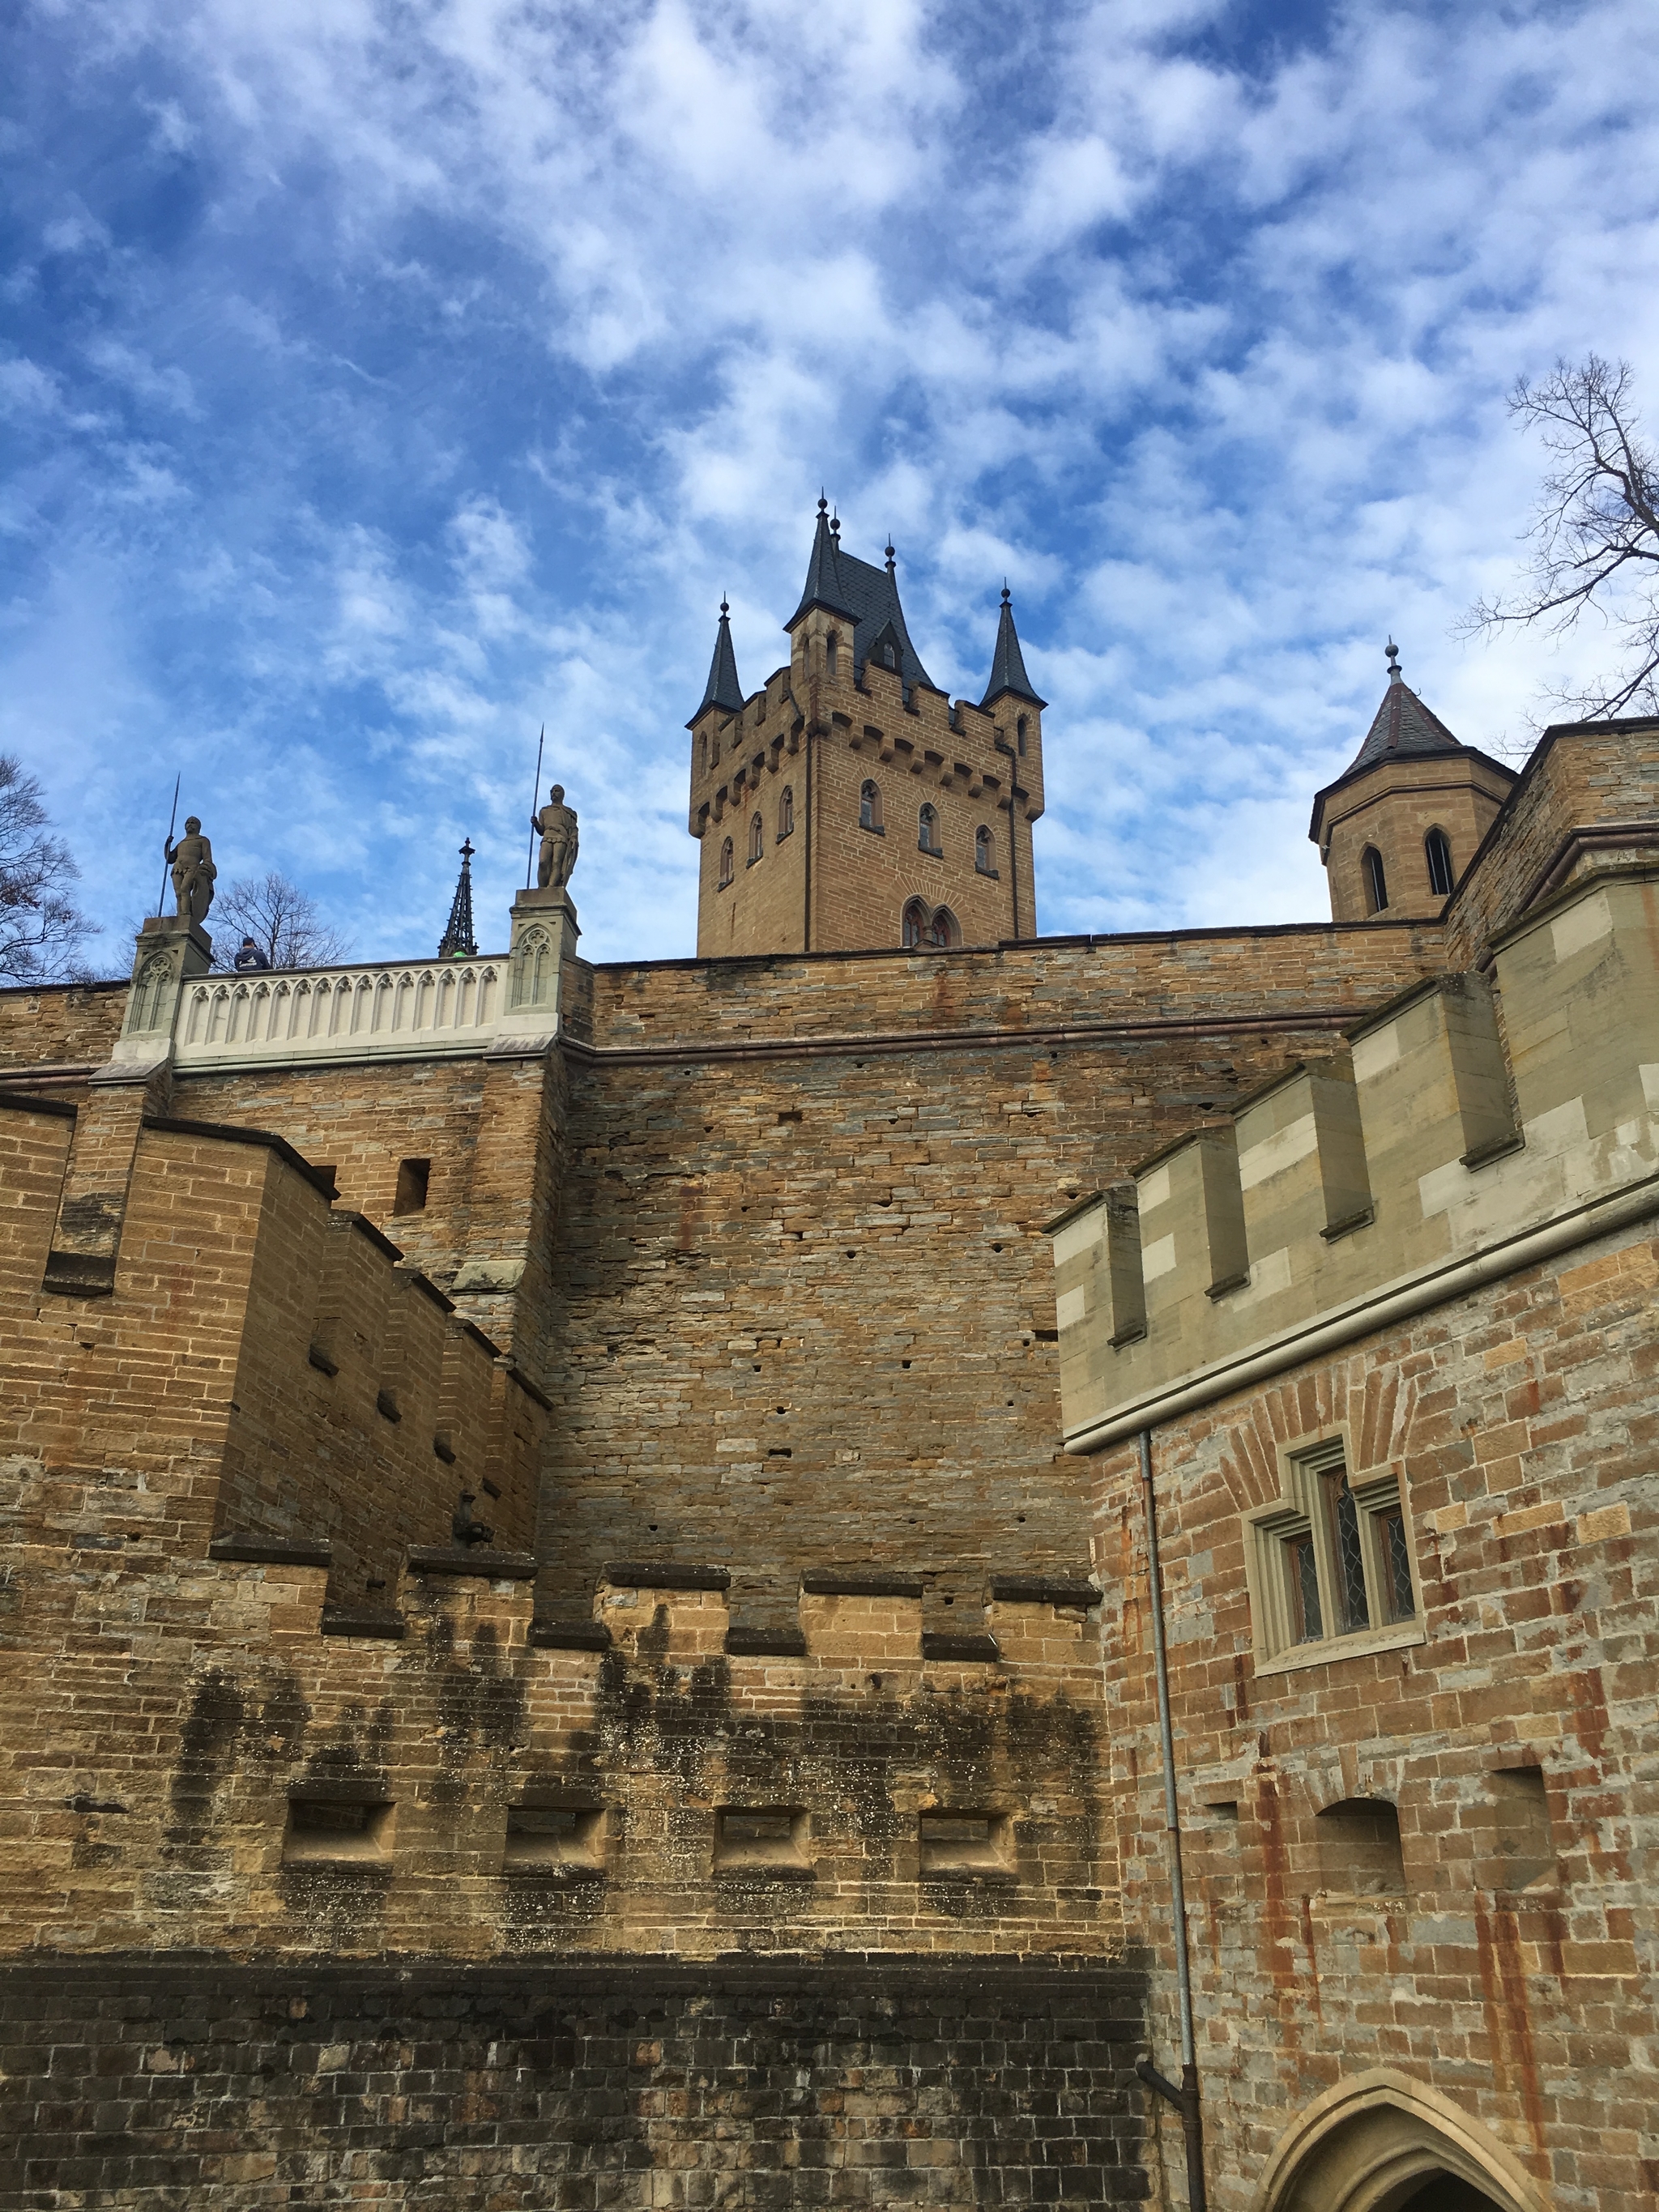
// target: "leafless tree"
[[281, 920], [40, 926], [1594, 533]]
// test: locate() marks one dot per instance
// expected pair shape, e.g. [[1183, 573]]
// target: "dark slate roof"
[[1008, 662], [1402, 724], [867, 597], [722, 688]]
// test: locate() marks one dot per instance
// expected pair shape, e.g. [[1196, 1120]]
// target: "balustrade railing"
[[419, 1006]]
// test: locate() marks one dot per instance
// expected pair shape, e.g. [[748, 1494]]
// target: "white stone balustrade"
[[421, 1008]]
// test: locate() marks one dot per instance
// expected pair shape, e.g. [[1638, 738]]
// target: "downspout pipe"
[[1185, 2098]]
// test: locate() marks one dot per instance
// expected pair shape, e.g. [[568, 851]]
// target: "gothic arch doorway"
[[1385, 2142]]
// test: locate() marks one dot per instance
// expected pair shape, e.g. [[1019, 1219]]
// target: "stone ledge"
[[850, 1582], [1043, 1589], [663, 1574], [479, 1560], [570, 1635], [955, 1646], [765, 1643], [364, 1620], [272, 1551]]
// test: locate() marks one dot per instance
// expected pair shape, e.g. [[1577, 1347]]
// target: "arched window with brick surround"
[[1436, 850], [726, 863], [927, 830], [757, 840], [786, 810], [832, 656], [1377, 883], [985, 853], [1019, 734], [869, 805]]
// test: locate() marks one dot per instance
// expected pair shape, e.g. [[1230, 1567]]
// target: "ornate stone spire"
[[1008, 662], [457, 941]]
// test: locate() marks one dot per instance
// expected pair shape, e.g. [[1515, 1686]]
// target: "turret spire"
[[1008, 662], [824, 586], [458, 942], [722, 688]]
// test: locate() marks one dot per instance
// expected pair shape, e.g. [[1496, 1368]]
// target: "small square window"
[[547, 1835], [1331, 1560], [413, 1176], [761, 1839], [338, 1831], [959, 1843]]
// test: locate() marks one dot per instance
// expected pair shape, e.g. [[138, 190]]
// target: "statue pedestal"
[[544, 934], [171, 950]]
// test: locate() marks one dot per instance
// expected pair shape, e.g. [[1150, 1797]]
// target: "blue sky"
[[379, 381]]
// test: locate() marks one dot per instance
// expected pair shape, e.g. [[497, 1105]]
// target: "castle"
[[902, 1564]]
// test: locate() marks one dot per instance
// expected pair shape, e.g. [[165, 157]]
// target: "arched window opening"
[[927, 928], [787, 812], [1437, 846], [946, 930], [726, 863], [702, 751], [869, 805], [1360, 1853], [984, 852], [1019, 734], [1377, 883], [756, 841], [917, 922], [832, 656], [927, 830], [888, 658]]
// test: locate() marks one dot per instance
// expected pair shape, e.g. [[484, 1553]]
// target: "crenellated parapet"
[[1479, 1119]]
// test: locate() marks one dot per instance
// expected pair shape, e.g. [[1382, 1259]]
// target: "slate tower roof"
[[1402, 724], [868, 598], [722, 688], [1008, 662]]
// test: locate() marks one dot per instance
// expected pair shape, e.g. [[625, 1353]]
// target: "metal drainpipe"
[[1184, 2098]]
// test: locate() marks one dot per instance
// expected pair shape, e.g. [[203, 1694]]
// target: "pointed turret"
[[1008, 662], [823, 586], [457, 941], [722, 689], [1397, 828]]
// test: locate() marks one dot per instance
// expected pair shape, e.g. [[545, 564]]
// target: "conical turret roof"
[[1008, 662], [722, 688], [867, 597], [1402, 728]]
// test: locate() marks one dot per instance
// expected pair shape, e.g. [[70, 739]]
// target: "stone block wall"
[[866, 2084], [1505, 1952]]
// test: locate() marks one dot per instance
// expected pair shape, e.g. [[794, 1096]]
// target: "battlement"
[[249, 1359], [445, 1772], [1476, 1120]]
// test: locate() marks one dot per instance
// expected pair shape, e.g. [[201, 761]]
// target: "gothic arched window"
[[922, 929], [726, 863], [869, 805], [1019, 732], [1437, 847], [786, 810], [832, 656], [703, 751], [927, 830], [1377, 883], [757, 840], [984, 853]]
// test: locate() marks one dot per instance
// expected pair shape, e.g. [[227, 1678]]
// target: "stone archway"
[[1385, 2142]]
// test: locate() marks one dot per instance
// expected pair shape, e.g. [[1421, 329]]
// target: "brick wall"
[[622, 2085], [1521, 1422]]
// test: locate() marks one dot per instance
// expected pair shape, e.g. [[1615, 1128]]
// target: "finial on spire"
[[824, 504], [1006, 593], [458, 942], [891, 554], [725, 608], [1395, 676], [835, 528]]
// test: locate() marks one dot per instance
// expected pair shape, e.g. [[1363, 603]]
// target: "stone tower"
[[1402, 822], [849, 805]]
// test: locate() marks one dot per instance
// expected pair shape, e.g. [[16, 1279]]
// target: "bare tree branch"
[[40, 926], [281, 920], [1594, 532]]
